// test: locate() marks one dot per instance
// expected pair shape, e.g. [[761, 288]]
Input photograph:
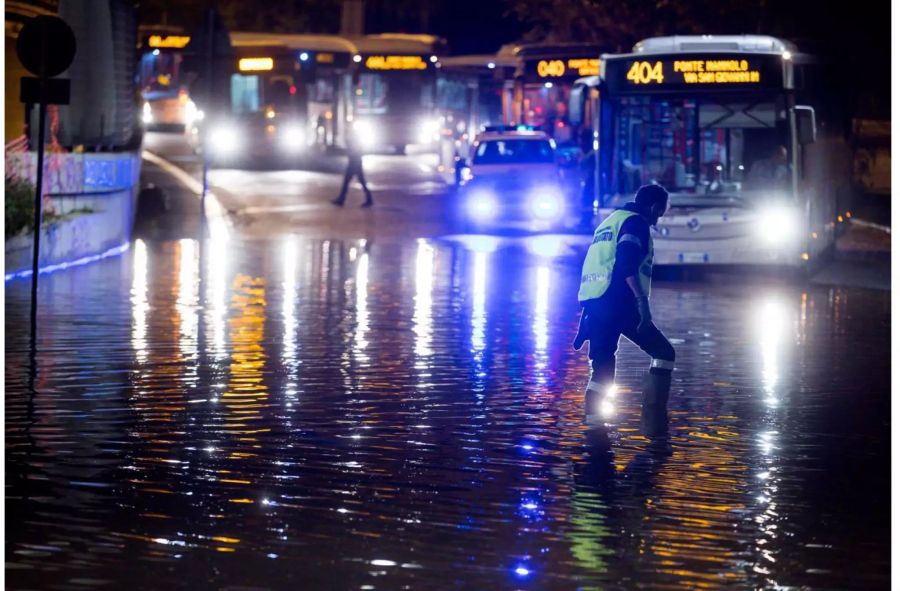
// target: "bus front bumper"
[[742, 250]]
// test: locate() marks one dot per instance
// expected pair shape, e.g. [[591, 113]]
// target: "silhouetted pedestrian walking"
[[354, 168]]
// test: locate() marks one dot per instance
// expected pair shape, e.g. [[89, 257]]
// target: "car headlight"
[[482, 205], [546, 203], [224, 139], [778, 225], [365, 132], [147, 115], [293, 137], [465, 174]]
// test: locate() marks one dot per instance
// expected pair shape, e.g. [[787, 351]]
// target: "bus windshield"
[[394, 93], [514, 152], [159, 73], [252, 94], [701, 146]]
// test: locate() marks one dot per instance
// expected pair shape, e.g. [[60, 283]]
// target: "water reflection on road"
[[294, 413]]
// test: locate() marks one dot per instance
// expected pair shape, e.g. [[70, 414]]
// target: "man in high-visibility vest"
[[614, 294]]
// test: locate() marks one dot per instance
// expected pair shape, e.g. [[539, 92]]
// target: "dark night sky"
[[852, 36]]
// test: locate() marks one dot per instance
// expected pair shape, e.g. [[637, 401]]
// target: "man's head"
[[654, 200]]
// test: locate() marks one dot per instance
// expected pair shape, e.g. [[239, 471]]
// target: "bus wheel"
[[400, 149]]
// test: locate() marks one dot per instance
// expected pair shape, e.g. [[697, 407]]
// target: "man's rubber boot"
[[654, 414]]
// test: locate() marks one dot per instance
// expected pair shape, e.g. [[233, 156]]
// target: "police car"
[[512, 177]]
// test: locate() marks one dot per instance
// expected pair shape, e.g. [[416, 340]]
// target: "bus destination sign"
[[396, 62], [650, 73], [559, 68]]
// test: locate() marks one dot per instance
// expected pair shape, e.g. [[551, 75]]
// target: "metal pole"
[[42, 115]]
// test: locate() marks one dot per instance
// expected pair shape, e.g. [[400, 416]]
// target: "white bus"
[[725, 123], [395, 87]]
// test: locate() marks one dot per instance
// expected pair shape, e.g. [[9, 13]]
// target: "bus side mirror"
[[806, 124], [576, 105]]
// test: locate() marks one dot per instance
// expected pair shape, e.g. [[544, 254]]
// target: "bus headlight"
[[778, 225], [224, 139], [546, 203], [365, 132], [293, 139], [482, 205], [428, 130], [191, 113], [147, 115]]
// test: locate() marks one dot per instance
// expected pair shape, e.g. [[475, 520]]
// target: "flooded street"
[[291, 413]]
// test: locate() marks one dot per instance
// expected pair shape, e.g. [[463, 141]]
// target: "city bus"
[[394, 88], [288, 93], [727, 125], [167, 104], [539, 93]]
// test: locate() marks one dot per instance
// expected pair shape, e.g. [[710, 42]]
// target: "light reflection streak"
[[139, 303], [325, 270], [246, 394], [362, 306], [479, 291], [289, 291], [540, 325], [424, 285], [188, 292], [772, 324], [217, 291]]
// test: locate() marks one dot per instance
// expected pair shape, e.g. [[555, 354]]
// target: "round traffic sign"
[[46, 46]]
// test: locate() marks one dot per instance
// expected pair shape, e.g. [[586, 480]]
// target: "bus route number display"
[[693, 71], [558, 68]]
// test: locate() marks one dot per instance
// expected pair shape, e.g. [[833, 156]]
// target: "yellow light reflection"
[[246, 394], [424, 285]]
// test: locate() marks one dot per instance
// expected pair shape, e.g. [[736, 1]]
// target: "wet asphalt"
[[372, 403]]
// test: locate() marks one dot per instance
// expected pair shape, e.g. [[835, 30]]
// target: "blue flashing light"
[[115, 251], [502, 128], [522, 571], [304, 56], [155, 52]]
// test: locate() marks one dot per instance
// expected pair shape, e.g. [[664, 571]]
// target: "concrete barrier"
[[105, 184]]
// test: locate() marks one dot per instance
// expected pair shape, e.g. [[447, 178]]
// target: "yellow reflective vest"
[[596, 273]]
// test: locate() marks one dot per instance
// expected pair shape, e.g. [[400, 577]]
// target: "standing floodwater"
[[298, 414]]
